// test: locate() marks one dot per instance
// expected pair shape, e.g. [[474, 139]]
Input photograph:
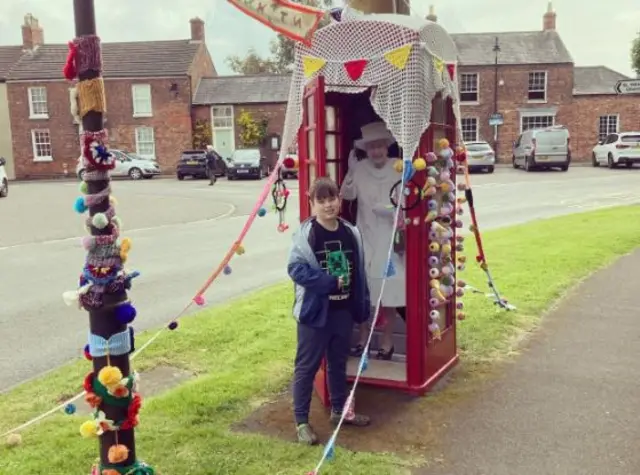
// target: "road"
[[181, 230]]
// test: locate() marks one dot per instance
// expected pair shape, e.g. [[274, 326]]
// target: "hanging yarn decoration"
[[280, 195], [95, 153], [125, 313], [69, 69], [91, 96]]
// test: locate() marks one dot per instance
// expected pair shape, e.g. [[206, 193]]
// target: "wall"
[[589, 108], [512, 96], [275, 114], [6, 145], [171, 122]]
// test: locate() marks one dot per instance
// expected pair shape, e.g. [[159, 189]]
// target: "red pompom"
[[289, 162], [87, 353], [461, 157]]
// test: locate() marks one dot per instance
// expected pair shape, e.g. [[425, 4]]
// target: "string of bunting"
[[397, 57], [88, 292]]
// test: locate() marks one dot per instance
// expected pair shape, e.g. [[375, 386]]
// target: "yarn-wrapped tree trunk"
[[111, 386]]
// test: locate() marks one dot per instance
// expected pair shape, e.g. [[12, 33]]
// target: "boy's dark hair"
[[323, 188]]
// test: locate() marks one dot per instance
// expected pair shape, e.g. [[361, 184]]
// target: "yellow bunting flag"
[[398, 57], [312, 65], [439, 64]]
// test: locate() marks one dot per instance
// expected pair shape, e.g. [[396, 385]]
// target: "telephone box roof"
[[406, 60]]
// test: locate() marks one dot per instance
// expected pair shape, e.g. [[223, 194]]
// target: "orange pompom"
[[118, 453], [93, 399], [110, 471], [120, 391]]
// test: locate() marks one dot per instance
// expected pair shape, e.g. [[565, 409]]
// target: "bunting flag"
[[452, 71], [311, 65], [355, 68], [439, 64], [293, 20], [398, 57]]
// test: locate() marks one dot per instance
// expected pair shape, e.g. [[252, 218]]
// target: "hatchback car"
[[128, 164], [247, 163], [4, 180], [617, 149], [193, 163], [480, 156]]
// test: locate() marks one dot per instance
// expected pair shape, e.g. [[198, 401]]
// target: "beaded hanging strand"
[[103, 281]]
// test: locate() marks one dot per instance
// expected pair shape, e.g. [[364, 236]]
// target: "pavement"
[[568, 405], [181, 230]]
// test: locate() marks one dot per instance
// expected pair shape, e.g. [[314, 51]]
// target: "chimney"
[[432, 14], [32, 35], [549, 19], [197, 30]]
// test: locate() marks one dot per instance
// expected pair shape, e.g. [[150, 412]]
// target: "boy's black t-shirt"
[[335, 253]]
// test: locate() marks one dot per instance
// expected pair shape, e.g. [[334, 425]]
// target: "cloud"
[[229, 31]]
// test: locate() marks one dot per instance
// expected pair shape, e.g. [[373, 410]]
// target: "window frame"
[[532, 116], [137, 99], [602, 137], [477, 128], [476, 92], [32, 113], [145, 142], [34, 146], [544, 89]]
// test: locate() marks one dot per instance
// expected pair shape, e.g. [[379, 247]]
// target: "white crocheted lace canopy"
[[402, 92]]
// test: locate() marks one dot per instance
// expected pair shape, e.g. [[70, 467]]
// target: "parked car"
[[4, 180], [543, 148], [480, 156], [247, 163], [193, 163], [289, 172], [127, 164], [617, 149]]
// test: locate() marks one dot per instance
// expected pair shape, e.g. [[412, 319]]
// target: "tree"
[[282, 51], [252, 131], [635, 55]]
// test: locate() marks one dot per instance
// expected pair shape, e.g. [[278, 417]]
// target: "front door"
[[223, 142]]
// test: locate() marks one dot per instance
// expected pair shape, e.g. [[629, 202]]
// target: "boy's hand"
[[340, 282]]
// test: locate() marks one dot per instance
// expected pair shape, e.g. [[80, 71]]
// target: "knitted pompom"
[[118, 453], [88, 243], [84, 188], [100, 221], [80, 205], [125, 313], [110, 376]]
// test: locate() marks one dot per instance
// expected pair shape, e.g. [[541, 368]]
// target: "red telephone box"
[[326, 109]]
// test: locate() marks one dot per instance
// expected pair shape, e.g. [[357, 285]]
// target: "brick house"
[[221, 100], [9, 55], [535, 84], [149, 87]]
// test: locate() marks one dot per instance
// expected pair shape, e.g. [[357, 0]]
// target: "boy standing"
[[326, 264]]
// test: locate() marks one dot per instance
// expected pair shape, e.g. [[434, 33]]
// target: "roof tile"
[[9, 55], [595, 80], [131, 59], [251, 89]]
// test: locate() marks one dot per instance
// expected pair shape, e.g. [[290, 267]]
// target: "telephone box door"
[[311, 141], [312, 164]]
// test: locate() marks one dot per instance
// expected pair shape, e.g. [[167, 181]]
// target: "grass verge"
[[242, 354]]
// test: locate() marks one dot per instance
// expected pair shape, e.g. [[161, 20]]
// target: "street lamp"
[[496, 50]]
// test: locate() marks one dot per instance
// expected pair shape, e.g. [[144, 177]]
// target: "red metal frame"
[[427, 359]]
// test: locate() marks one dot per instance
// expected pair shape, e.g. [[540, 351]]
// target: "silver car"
[[128, 164], [480, 156]]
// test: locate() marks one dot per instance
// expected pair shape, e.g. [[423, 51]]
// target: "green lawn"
[[242, 354]]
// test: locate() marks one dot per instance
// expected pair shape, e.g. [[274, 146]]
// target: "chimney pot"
[[549, 18], [32, 34], [197, 30]]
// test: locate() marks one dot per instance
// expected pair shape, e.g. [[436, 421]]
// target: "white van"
[[543, 149]]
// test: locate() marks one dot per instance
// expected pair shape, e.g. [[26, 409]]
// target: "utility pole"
[[496, 50], [105, 284]]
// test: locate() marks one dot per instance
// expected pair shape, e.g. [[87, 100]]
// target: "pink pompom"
[[87, 242], [199, 300]]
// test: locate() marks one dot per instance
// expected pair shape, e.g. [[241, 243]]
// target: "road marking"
[[232, 209]]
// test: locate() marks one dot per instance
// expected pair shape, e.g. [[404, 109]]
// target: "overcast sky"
[[598, 32]]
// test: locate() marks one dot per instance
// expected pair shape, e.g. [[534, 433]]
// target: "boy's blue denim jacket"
[[313, 285]]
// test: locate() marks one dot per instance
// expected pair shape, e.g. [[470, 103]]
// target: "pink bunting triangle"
[[452, 71], [355, 68]]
